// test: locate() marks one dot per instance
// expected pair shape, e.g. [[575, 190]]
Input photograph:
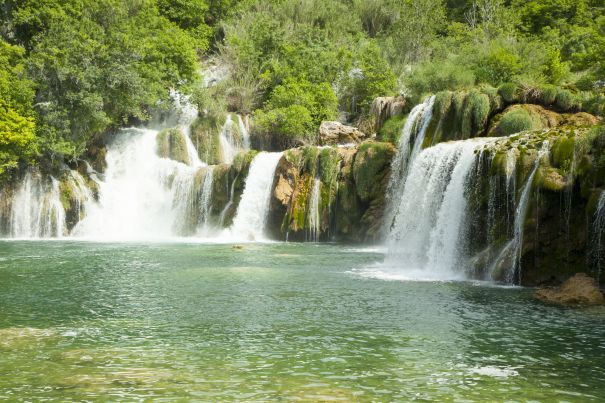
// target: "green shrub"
[[285, 127], [435, 77], [548, 94], [565, 100], [391, 129], [509, 92], [516, 121], [475, 113]]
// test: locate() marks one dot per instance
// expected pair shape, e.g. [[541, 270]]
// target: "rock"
[[333, 133], [283, 190], [578, 290], [384, 108]]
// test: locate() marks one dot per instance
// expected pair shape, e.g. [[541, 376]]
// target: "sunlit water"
[[85, 321]]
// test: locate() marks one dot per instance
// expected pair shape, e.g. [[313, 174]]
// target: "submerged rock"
[[333, 133], [578, 290]]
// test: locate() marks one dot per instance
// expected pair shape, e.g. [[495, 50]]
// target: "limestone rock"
[[283, 190], [332, 133], [384, 108], [578, 290]]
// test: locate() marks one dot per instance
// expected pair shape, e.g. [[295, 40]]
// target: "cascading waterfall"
[[143, 195], [244, 129], [512, 251], [205, 201], [313, 217], [430, 244], [251, 217], [230, 143], [410, 144], [227, 206], [598, 231], [36, 209], [227, 141]]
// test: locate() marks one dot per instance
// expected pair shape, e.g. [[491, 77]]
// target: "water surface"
[[85, 321]]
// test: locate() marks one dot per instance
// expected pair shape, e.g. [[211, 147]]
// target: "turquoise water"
[[85, 321]]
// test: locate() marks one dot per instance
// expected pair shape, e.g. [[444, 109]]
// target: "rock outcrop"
[[577, 290], [334, 133], [385, 108], [348, 184]]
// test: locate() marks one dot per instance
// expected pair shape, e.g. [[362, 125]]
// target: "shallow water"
[[86, 321]]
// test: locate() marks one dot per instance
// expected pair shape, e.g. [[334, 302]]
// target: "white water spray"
[[410, 144], [427, 236], [251, 217], [36, 210], [313, 216]]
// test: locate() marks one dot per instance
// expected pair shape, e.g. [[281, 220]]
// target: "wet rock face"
[[330, 193], [334, 133], [578, 290]]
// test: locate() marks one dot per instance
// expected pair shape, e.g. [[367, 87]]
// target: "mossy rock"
[[205, 135], [372, 163], [516, 121], [549, 178], [391, 129], [171, 143]]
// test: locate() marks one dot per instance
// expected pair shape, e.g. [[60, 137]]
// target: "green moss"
[[205, 135], [443, 103], [509, 92], [563, 151], [309, 159], [549, 178], [517, 120], [66, 194], [294, 156], [329, 165], [371, 163], [391, 129], [243, 160], [297, 215], [474, 114], [172, 144]]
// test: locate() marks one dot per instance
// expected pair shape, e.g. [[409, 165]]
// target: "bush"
[[285, 127], [434, 77], [565, 100], [498, 66], [516, 121], [548, 94], [474, 113], [509, 92], [391, 130]]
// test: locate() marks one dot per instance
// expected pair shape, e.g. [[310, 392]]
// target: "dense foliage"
[[72, 69], [75, 69]]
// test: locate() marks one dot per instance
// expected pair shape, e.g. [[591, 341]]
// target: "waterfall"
[[244, 130], [598, 230], [313, 216], [205, 200], [410, 144], [513, 250], [227, 141], [427, 237], [36, 209], [228, 205], [142, 195], [250, 220]]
